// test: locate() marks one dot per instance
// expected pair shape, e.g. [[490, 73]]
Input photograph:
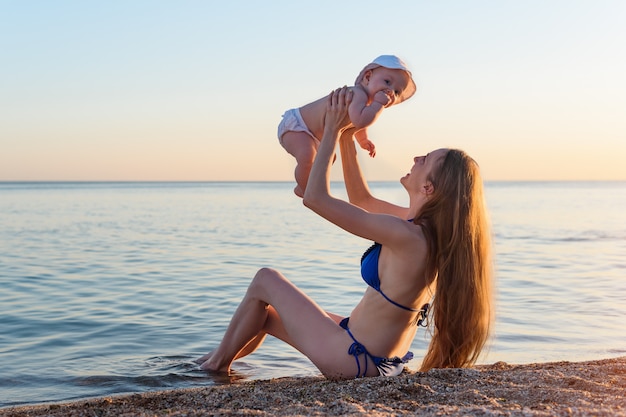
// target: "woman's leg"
[[248, 349], [293, 317], [273, 326]]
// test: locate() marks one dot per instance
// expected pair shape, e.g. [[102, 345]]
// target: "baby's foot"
[[298, 191]]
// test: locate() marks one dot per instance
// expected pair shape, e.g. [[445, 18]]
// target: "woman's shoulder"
[[404, 235], [415, 235]]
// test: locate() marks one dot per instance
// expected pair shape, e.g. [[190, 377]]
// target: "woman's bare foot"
[[207, 366], [204, 358]]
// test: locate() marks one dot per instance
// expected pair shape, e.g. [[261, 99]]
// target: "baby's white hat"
[[391, 62]]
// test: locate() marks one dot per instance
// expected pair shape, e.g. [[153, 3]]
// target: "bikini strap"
[[397, 304], [356, 349]]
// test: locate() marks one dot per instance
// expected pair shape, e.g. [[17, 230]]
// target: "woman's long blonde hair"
[[455, 223]]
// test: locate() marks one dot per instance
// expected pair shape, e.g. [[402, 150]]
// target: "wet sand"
[[592, 388]]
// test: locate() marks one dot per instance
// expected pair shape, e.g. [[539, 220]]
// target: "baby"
[[384, 82]]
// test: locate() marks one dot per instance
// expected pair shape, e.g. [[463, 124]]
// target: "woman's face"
[[417, 178]]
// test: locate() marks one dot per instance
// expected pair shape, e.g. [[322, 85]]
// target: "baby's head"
[[390, 64]]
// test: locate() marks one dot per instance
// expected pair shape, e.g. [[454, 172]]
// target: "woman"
[[437, 248]]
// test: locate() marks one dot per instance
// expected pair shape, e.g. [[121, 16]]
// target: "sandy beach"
[[592, 388]]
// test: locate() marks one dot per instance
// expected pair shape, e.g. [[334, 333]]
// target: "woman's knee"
[[265, 274], [264, 278]]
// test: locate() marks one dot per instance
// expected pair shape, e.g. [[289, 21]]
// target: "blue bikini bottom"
[[385, 366]]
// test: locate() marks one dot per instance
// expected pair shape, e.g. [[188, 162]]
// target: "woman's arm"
[[317, 197], [356, 186]]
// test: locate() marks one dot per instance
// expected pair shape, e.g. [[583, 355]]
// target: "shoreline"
[[540, 389]]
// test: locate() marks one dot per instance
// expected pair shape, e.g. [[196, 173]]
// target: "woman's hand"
[[336, 120], [337, 105]]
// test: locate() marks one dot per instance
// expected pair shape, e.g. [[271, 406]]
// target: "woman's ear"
[[428, 188]]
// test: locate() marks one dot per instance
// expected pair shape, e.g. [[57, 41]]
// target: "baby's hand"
[[368, 145], [382, 98]]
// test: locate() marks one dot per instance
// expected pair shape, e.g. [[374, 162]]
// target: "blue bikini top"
[[369, 272]]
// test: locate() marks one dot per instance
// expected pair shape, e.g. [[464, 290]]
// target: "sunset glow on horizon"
[[194, 91]]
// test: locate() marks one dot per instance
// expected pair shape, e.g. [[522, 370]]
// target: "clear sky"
[[194, 90]]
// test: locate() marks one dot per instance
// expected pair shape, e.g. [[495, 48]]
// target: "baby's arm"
[[364, 142], [363, 114]]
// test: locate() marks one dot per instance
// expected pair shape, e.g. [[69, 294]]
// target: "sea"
[[109, 288]]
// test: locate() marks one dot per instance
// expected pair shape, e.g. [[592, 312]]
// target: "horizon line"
[[273, 181]]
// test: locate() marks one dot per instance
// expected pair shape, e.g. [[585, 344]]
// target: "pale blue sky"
[[194, 90]]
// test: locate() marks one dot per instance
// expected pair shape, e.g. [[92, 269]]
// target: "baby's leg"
[[303, 147]]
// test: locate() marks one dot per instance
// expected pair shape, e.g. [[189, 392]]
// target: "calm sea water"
[[116, 287]]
